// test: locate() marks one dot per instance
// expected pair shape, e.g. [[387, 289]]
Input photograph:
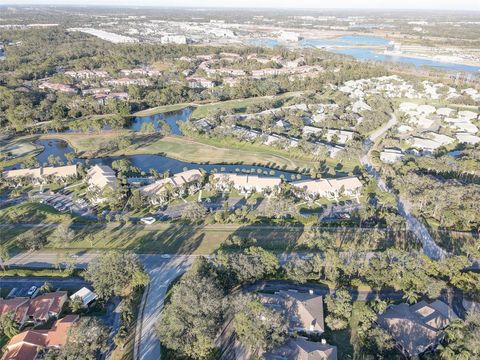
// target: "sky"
[[292, 4]]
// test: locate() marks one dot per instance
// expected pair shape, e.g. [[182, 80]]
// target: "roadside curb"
[[138, 329]]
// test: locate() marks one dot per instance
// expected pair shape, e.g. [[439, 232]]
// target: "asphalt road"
[[162, 269], [162, 272], [429, 246]]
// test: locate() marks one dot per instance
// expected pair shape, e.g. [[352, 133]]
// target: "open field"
[[200, 151], [161, 109]]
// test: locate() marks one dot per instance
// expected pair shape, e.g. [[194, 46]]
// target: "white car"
[[32, 290], [148, 220]]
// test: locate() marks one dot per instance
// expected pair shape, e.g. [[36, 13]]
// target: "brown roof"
[[304, 311], [302, 349], [18, 306], [416, 328], [25, 345], [42, 306]]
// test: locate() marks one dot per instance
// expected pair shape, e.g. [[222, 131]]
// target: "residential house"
[[199, 83], [43, 174], [417, 328], [57, 87], [302, 349], [100, 177], [87, 74], [304, 311], [31, 344], [246, 182], [174, 182], [36, 310], [391, 155], [329, 188], [85, 295]]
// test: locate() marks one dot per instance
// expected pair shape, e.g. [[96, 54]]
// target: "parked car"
[[32, 290], [148, 220]]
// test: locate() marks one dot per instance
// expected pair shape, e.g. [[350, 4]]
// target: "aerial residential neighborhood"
[[239, 181]]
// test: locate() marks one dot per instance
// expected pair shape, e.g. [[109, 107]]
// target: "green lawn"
[[161, 109], [238, 105]]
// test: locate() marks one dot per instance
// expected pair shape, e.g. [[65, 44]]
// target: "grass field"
[[16, 150], [202, 110], [186, 149], [161, 109]]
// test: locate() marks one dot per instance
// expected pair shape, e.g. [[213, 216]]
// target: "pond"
[[59, 148], [171, 118]]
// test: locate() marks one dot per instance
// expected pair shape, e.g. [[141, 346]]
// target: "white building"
[[174, 182], [391, 155], [174, 39], [85, 295], [246, 183], [330, 188]]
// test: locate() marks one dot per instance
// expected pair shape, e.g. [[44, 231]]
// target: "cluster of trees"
[[116, 274], [207, 298], [203, 300], [87, 339], [449, 203], [412, 273]]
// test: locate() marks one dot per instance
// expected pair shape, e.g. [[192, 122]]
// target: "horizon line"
[[281, 8]]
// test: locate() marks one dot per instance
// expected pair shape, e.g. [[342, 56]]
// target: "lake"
[[365, 54], [171, 118], [59, 148]]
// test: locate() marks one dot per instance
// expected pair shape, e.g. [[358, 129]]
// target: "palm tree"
[[4, 255], [411, 296]]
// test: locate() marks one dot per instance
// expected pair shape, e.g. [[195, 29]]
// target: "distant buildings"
[[416, 328], [171, 183], [174, 39], [289, 36], [199, 83], [87, 74], [57, 87]]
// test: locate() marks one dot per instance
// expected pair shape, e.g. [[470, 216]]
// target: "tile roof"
[[26, 345]]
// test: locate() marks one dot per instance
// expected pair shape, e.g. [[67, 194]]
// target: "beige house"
[[100, 177], [417, 328], [329, 188], [43, 174], [246, 183], [174, 182], [303, 311]]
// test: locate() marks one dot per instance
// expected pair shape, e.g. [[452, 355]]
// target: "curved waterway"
[[58, 148]]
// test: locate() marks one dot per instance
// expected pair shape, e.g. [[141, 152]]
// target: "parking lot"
[[63, 201]]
